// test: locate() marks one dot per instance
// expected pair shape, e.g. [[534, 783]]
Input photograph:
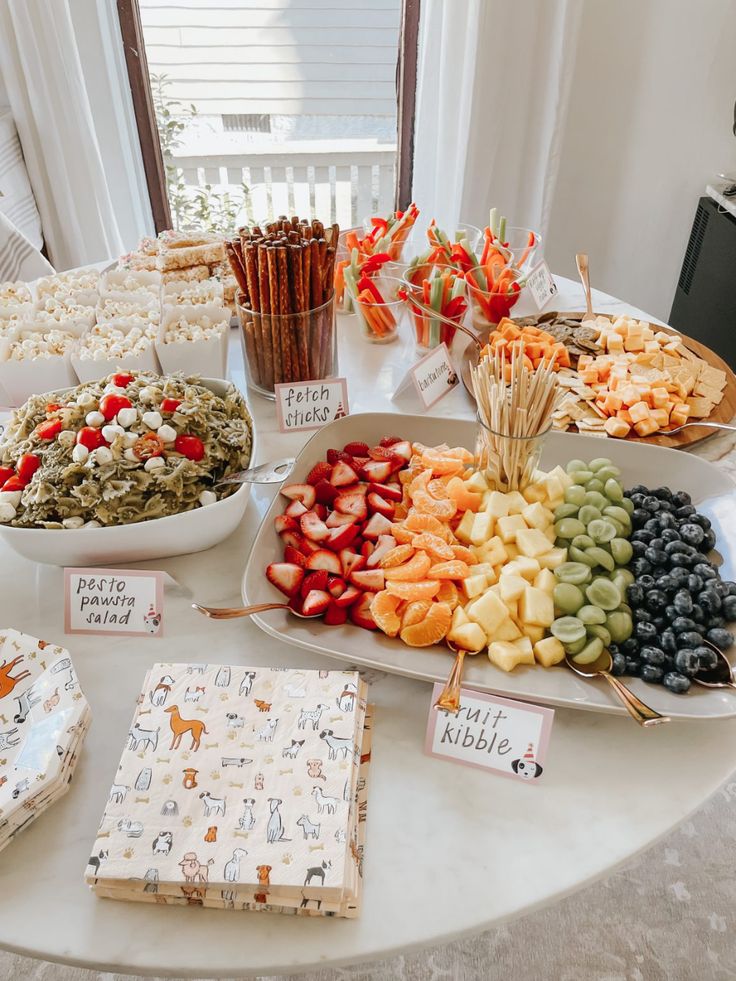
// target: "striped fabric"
[[19, 258]]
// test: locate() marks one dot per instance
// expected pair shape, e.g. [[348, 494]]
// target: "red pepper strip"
[[455, 307], [460, 256], [364, 283], [374, 262], [399, 214], [379, 225]]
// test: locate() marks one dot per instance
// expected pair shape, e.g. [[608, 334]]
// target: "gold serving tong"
[[601, 667], [449, 698]]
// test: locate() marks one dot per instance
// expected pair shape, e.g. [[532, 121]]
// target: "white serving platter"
[[712, 491]]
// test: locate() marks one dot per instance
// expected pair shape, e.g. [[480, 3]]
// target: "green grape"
[[568, 630], [569, 528], [601, 530], [621, 550], [599, 463], [602, 592], [619, 625], [590, 653], [598, 630], [566, 511], [588, 513], [613, 490], [575, 494], [567, 598], [574, 465], [575, 572], [601, 557], [591, 614]]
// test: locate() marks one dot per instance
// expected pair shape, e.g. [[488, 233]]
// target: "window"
[[252, 108]]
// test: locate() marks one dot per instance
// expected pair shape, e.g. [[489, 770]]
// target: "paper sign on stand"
[[310, 404], [431, 378], [114, 601], [541, 284], [491, 733]]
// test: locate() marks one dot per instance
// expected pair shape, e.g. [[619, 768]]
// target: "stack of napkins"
[[44, 719], [240, 788]]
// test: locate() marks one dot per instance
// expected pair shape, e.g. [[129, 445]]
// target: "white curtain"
[[492, 93], [40, 64]]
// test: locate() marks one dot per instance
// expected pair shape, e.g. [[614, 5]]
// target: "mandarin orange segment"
[[438, 488], [397, 556], [383, 611], [464, 499], [400, 511], [402, 534], [450, 570], [413, 590], [412, 571], [414, 612], [460, 453], [434, 545], [464, 554], [440, 463], [447, 593], [423, 501], [416, 521], [431, 629]]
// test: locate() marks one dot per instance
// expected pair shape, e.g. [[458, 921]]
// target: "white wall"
[[3, 92], [649, 124]]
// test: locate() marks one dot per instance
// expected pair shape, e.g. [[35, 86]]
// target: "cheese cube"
[[504, 655], [507, 527], [523, 566], [537, 516], [482, 528], [555, 490], [536, 607], [545, 580], [465, 529], [524, 645], [516, 502], [511, 587], [550, 534], [498, 504], [488, 610], [553, 558], [563, 476], [549, 651], [532, 542]]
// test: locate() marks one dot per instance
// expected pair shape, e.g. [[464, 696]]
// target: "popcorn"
[[110, 340], [29, 345], [183, 291], [111, 308], [68, 282], [202, 329], [14, 294]]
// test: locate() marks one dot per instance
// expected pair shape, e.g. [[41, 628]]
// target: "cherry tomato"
[[122, 379], [27, 465], [15, 483], [52, 407], [110, 405], [91, 438], [49, 429], [148, 446], [5, 474], [170, 405], [191, 447]]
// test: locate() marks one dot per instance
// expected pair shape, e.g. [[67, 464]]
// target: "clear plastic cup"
[[490, 307]]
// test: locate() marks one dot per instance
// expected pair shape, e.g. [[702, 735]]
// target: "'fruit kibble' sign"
[[113, 601]]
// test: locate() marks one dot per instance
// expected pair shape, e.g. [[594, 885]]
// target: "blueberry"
[[720, 637], [667, 521], [716, 622], [645, 632], [666, 506], [681, 499], [639, 517], [686, 661], [656, 600], [729, 607], [640, 567], [652, 655], [670, 535], [639, 489], [643, 536], [633, 666], [646, 581], [660, 623], [694, 582], [642, 615], [707, 658], [679, 576], [666, 583], [710, 601], [635, 594], [652, 673], [676, 682], [663, 493], [676, 546], [630, 647], [684, 559], [653, 525], [638, 548], [683, 603], [681, 624], [667, 642], [618, 663], [705, 570], [698, 614], [657, 556], [656, 543], [709, 541], [669, 663], [691, 533], [700, 519], [684, 512], [691, 638], [670, 612], [731, 587], [651, 504]]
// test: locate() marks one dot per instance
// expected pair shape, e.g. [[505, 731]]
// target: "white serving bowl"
[[190, 531]]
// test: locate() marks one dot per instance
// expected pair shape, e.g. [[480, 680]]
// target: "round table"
[[450, 850]]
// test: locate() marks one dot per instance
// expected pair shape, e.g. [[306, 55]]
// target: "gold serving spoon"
[[721, 676], [601, 667], [449, 697], [582, 262], [232, 612]]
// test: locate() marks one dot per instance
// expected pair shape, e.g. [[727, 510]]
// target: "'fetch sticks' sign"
[[310, 404], [433, 376], [491, 733], [113, 601]]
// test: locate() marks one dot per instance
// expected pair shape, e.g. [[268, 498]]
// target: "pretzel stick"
[[249, 337], [236, 266], [300, 323], [267, 318], [289, 352]]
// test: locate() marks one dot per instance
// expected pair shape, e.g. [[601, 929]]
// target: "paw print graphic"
[[32, 655], [232, 736], [76, 696], [185, 755], [215, 775], [297, 791], [128, 853], [224, 697], [167, 778], [287, 858], [268, 760], [186, 821]]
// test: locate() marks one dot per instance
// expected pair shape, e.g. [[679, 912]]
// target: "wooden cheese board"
[[724, 412]]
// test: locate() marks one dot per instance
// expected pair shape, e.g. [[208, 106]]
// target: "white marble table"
[[450, 850]]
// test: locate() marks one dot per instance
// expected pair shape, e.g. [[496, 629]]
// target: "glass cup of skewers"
[[439, 288], [379, 307], [508, 462], [494, 290]]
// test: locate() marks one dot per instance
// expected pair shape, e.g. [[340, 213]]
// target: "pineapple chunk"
[[507, 631], [465, 528], [537, 516], [534, 493], [494, 551], [563, 476], [516, 502], [482, 528], [477, 483], [545, 580], [554, 487], [489, 611], [532, 542], [459, 617], [504, 655], [536, 607], [549, 651], [523, 566], [512, 552], [524, 645], [533, 632], [508, 527], [497, 505], [475, 585], [512, 587], [553, 558], [470, 636], [550, 533]]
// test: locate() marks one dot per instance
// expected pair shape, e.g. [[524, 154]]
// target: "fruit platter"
[[393, 547], [624, 378]]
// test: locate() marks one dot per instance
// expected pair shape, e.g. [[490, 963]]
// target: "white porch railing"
[[342, 186]]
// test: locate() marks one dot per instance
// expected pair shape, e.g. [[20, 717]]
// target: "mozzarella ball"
[[7, 512], [152, 419], [80, 453], [126, 417], [167, 433], [207, 497], [95, 419], [74, 522], [154, 463]]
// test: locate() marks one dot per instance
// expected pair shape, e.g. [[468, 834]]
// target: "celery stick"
[[351, 289], [493, 221], [435, 299], [458, 288], [502, 229]]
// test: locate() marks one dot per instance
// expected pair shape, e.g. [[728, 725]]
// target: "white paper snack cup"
[[92, 369], [21, 379], [205, 357], [114, 281]]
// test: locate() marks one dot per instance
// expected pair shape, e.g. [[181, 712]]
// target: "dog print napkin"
[[43, 720], [240, 788]]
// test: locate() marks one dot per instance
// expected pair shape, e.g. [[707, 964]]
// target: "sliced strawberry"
[[390, 440], [308, 546], [313, 527], [325, 492], [294, 556], [286, 576], [341, 537], [343, 475], [334, 455], [320, 510], [296, 509], [336, 586], [351, 560], [335, 519], [378, 525], [324, 559], [283, 522], [295, 603], [385, 544], [350, 596], [389, 492], [314, 580], [376, 471], [377, 504], [402, 449], [352, 504], [383, 453], [361, 488], [370, 579], [300, 492], [367, 549], [356, 448], [294, 539], [360, 460], [360, 613], [320, 471], [335, 615]]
